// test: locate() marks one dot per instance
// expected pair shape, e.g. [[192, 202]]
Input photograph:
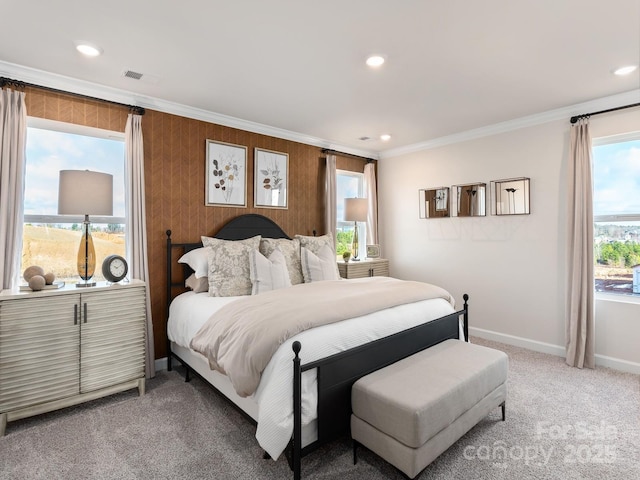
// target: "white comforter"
[[189, 311]]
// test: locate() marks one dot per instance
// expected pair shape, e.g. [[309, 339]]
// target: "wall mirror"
[[434, 202], [510, 196], [471, 200]]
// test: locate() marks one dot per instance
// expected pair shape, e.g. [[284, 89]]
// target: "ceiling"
[[299, 66]]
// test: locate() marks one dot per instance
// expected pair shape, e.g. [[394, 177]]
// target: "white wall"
[[511, 266]]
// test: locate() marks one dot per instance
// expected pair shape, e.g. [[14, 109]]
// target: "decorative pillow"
[[268, 273], [290, 250], [317, 268], [229, 265], [198, 285], [314, 244], [197, 259]]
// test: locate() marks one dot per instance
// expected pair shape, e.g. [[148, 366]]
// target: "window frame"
[[64, 127], [624, 297], [67, 221], [348, 173]]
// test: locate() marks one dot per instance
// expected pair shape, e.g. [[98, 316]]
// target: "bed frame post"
[[169, 277], [297, 411], [466, 317]]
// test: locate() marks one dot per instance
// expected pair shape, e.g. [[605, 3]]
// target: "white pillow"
[[198, 285], [314, 244], [268, 273], [291, 251], [320, 267], [197, 259]]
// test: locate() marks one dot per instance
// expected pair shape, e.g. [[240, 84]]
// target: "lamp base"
[[86, 257]]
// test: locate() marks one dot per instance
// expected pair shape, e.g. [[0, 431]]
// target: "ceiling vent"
[[132, 74]]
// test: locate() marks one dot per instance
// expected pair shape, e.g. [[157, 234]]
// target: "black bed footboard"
[[336, 375]]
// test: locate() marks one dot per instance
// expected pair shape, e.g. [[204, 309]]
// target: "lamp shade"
[[83, 192], [355, 209]]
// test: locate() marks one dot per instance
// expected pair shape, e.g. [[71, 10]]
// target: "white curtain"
[[136, 227], [330, 195], [372, 201], [13, 140], [580, 324]]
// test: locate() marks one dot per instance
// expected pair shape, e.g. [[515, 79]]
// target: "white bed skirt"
[[222, 383]]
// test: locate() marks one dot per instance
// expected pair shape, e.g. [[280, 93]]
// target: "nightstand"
[[370, 267], [65, 346]]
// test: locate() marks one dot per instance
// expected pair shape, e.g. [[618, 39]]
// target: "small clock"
[[114, 268]]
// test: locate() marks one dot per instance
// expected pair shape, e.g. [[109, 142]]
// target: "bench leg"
[[503, 405], [355, 452]]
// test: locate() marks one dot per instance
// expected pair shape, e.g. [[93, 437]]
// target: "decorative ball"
[[346, 256], [37, 282], [32, 271], [50, 278]]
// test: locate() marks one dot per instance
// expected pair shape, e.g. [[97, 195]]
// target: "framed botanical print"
[[271, 179], [226, 171]]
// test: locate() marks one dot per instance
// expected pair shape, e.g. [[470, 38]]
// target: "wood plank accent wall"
[[175, 157]]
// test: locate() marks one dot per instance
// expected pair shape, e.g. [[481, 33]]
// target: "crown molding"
[[73, 85], [564, 113], [61, 82]]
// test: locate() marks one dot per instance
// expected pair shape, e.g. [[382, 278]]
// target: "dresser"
[[370, 267], [70, 345]]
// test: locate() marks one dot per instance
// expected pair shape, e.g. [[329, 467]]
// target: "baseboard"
[[536, 346]]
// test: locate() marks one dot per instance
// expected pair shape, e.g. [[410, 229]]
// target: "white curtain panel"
[[330, 195], [580, 324], [372, 198], [136, 222], [13, 140]]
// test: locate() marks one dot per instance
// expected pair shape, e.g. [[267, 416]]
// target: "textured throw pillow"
[[268, 273], [229, 265], [320, 267], [291, 251], [314, 244], [197, 259], [198, 285]]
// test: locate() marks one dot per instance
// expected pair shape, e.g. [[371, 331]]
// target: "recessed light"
[[375, 60], [625, 70], [385, 137], [88, 49]]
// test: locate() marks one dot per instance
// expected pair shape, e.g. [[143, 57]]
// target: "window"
[[348, 185], [51, 240], [616, 211]]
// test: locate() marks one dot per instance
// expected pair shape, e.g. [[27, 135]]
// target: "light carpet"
[[562, 423]]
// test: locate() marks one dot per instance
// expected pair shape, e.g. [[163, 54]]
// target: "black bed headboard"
[[250, 225]]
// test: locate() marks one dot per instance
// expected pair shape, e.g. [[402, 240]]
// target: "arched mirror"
[[471, 200], [434, 202]]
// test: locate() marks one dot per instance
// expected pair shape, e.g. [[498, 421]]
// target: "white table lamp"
[[83, 192], [355, 210]]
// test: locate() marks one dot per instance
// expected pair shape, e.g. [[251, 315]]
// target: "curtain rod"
[[17, 83], [344, 154], [586, 115]]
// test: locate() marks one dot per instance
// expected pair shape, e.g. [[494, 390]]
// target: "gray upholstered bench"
[[413, 410]]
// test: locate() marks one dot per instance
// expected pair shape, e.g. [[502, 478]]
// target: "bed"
[[303, 397]]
